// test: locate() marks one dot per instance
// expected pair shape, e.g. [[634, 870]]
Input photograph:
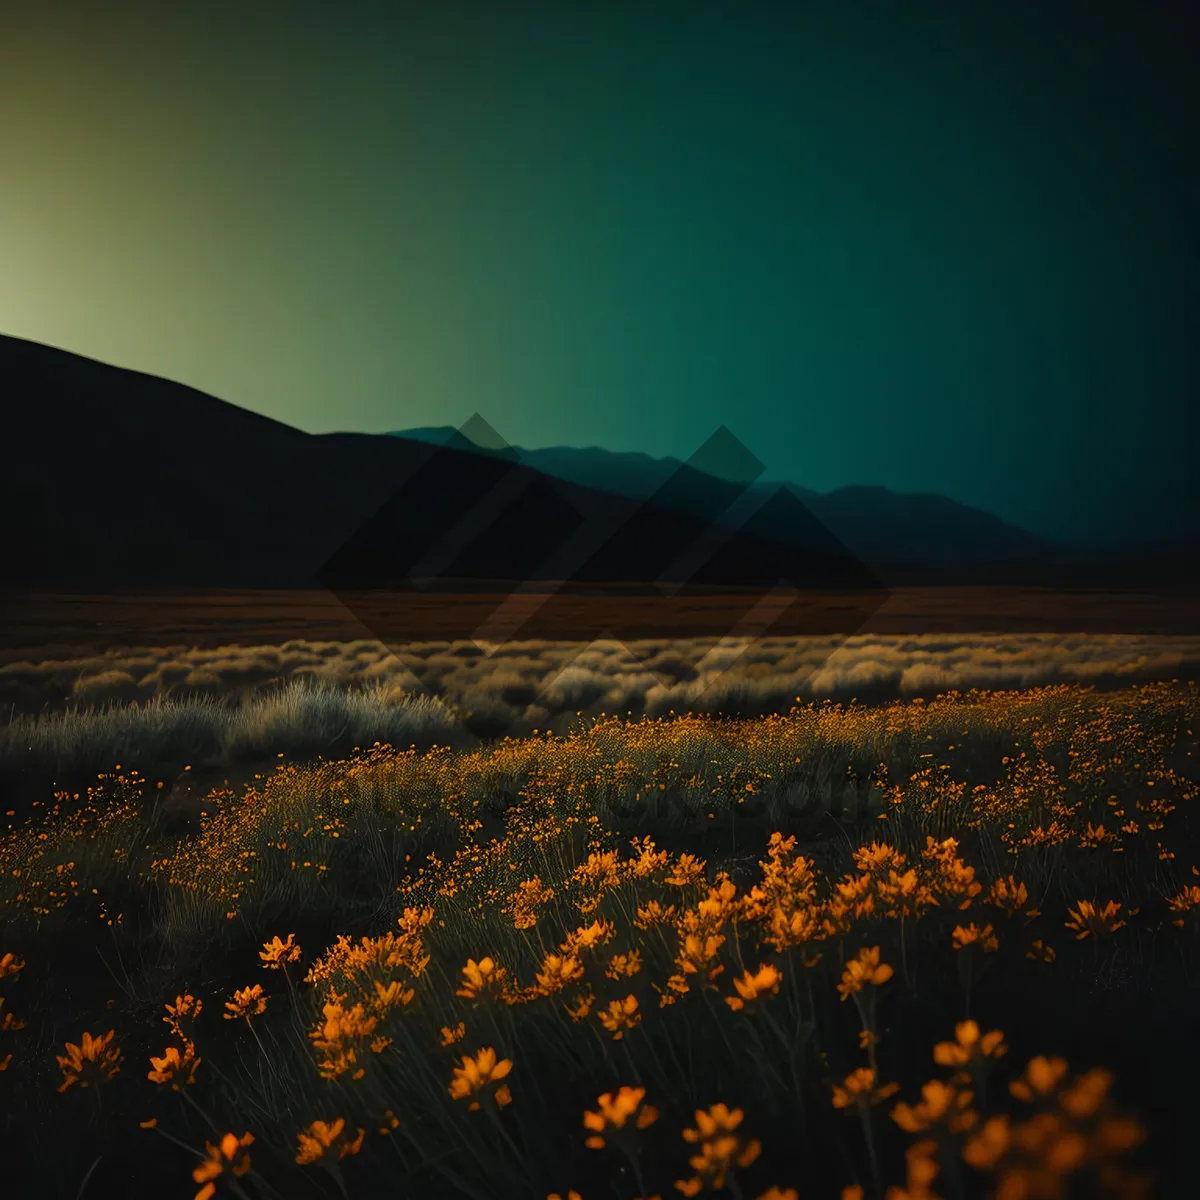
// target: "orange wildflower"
[[1088, 919], [230, 1154], [177, 1069], [95, 1058], [865, 970], [971, 934], [752, 986], [478, 1073], [940, 1102], [1040, 1079], [479, 977], [720, 1149], [614, 1114], [276, 954], [859, 1088], [320, 1137], [249, 1002], [620, 1015]]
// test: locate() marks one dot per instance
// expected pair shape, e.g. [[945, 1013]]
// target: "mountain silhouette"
[[903, 538], [881, 527], [124, 479], [120, 479]]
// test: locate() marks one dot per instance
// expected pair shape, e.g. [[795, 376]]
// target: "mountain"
[[119, 479], [905, 538], [127, 480], [894, 532]]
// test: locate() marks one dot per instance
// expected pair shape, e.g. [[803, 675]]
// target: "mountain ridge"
[[125, 479], [874, 521]]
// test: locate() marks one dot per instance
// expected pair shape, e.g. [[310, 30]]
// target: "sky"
[[936, 246]]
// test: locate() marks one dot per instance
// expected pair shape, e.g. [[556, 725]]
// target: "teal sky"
[[941, 247]]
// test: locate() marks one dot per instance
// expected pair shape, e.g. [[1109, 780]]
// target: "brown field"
[[39, 626]]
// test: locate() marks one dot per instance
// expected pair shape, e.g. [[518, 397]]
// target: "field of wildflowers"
[[917, 950]]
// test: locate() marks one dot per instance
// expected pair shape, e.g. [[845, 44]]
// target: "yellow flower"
[[1087, 919], [792, 927], [720, 1118], [615, 1112], [320, 1137], [95, 1058], [904, 895], [859, 1088], [587, 937], [868, 858], [450, 1036], [1008, 894], [1041, 1077], [720, 1149], [341, 1026], [648, 860], [973, 935], [620, 1016], [969, 1044], [922, 1170], [479, 977], [392, 996], [687, 870], [1040, 952], [175, 1068], [988, 1145], [1054, 1148], [276, 954], [231, 1154], [862, 971], [249, 1002], [698, 954], [10, 964], [752, 986], [1087, 1093], [1185, 902], [479, 1072], [557, 971], [623, 966], [7, 1022], [186, 1007], [583, 1004], [940, 1101], [526, 900], [778, 846], [653, 913]]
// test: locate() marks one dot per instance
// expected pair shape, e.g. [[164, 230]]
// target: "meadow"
[[940, 947]]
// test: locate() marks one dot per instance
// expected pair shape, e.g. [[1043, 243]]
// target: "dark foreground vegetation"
[[943, 949]]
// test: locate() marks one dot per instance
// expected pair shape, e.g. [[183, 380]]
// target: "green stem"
[[490, 1105], [211, 1123], [865, 1115]]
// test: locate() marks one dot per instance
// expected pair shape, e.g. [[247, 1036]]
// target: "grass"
[[921, 949], [299, 718]]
